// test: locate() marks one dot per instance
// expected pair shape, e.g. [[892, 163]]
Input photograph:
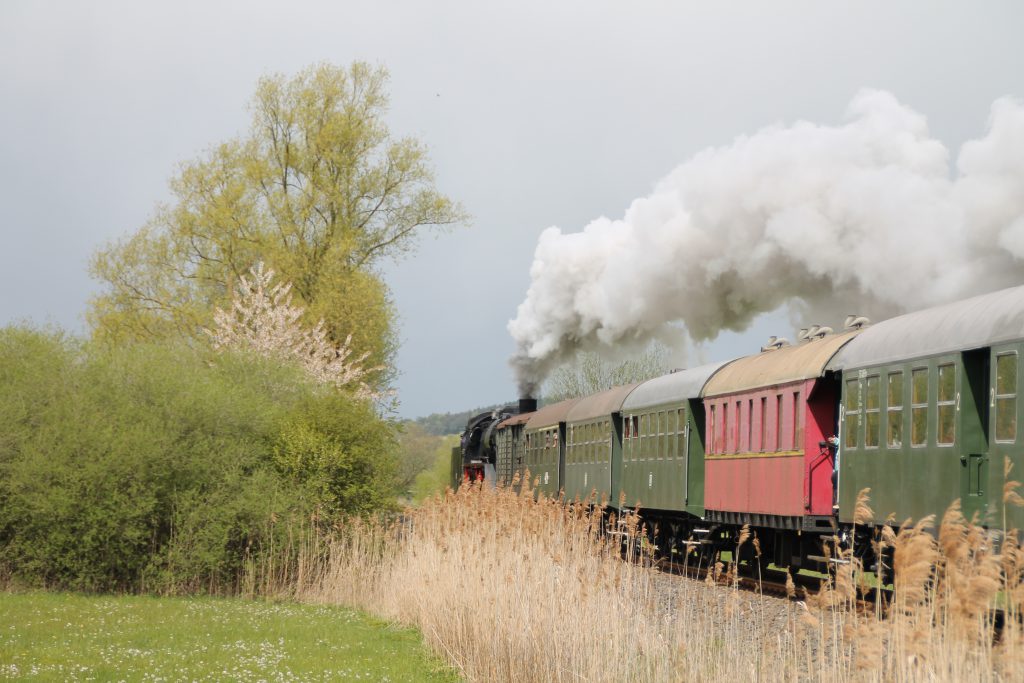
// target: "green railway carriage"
[[510, 446], [930, 411], [543, 444], [593, 457], [663, 442]]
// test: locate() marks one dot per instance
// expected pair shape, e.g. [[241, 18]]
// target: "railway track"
[[773, 582]]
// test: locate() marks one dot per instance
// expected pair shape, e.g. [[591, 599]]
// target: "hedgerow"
[[166, 468]]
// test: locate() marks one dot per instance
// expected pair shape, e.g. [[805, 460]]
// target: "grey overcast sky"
[[536, 114]]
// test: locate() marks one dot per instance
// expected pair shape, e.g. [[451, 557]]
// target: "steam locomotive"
[[922, 409]]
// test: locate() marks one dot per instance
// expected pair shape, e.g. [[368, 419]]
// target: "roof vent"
[[775, 343], [821, 332], [856, 322]]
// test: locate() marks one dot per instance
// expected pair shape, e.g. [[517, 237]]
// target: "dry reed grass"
[[509, 587]]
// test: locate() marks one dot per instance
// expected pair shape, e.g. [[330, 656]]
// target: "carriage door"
[[1004, 410], [973, 405]]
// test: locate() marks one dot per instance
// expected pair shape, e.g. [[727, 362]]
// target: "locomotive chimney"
[[527, 405]]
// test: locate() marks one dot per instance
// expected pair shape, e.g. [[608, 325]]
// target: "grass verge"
[[53, 636]]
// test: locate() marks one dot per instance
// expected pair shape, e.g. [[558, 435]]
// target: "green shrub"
[[163, 468]]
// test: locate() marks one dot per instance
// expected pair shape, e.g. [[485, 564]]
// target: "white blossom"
[[263, 320]]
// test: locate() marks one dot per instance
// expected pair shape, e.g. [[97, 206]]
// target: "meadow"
[[59, 636]]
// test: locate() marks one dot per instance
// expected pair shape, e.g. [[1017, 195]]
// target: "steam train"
[[922, 409]]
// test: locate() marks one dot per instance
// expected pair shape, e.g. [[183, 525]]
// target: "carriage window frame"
[[627, 445], [917, 406], [797, 431], [750, 425], [681, 424], [852, 412], [778, 422], [606, 439], [894, 415], [738, 422], [764, 424], [941, 404], [1006, 396], [723, 447], [872, 409], [712, 441], [659, 428]]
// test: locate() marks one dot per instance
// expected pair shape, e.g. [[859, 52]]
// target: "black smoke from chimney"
[[527, 405]]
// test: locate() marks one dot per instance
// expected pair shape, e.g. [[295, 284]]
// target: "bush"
[[161, 468]]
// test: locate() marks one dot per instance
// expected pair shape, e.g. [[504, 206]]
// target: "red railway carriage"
[[766, 417]]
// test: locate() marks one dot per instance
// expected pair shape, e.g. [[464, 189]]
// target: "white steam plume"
[[865, 216]]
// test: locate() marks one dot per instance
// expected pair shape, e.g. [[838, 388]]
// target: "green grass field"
[[50, 636]]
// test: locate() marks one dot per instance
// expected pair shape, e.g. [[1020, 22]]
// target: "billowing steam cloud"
[[866, 217]]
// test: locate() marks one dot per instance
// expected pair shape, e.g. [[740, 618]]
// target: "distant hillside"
[[453, 423]]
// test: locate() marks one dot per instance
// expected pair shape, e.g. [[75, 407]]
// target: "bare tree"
[[590, 373]]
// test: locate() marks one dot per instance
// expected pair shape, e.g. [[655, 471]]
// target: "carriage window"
[[919, 407], [947, 405], [750, 425], [656, 429], [669, 440], [764, 422], [736, 428], [712, 442], [1006, 397], [852, 413], [894, 410], [645, 435], [658, 419], [797, 436], [680, 433], [778, 422], [667, 419], [603, 438], [872, 402], [723, 444], [627, 444]]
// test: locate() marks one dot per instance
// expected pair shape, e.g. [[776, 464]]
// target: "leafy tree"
[[438, 477], [590, 373], [340, 452], [319, 189], [418, 449]]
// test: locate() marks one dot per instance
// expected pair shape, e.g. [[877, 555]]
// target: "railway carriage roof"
[[521, 418], [550, 415], [600, 405], [672, 388], [770, 368], [970, 324]]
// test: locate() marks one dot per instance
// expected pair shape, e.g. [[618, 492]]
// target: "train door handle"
[[963, 460]]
